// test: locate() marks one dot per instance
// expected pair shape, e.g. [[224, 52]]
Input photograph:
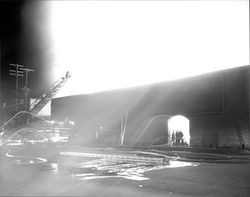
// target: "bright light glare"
[[116, 44], [179, 123]]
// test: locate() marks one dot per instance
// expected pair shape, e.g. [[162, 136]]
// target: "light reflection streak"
[[122, 166], [54, 167], [87, 166], [26, 159]]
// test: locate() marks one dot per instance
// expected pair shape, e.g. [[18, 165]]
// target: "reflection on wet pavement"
[[25, 159], [95, 164], [125, 166]]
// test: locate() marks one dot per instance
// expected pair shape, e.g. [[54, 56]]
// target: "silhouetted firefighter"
[[177, 138]]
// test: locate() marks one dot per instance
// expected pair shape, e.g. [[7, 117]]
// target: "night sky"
[[176, 40], [19, 44]]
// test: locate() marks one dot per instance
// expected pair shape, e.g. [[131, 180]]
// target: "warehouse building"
[[211, 110]]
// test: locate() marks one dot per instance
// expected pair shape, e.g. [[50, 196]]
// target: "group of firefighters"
[[177, 138]]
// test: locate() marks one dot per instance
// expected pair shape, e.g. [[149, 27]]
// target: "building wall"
[[217, 105], [231, 128]]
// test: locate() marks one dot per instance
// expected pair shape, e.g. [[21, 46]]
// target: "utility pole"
[[17, 73], [26, 89]]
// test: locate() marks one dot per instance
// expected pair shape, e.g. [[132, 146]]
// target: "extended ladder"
[[41, 102]]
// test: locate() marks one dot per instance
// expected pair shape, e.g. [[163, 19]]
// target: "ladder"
[[43, 100]]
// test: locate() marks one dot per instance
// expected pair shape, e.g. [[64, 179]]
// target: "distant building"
[[216, 105]]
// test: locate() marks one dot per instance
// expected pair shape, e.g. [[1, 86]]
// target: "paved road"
[[50, 170]]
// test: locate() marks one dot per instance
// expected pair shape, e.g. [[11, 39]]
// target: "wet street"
[[72, 170]]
